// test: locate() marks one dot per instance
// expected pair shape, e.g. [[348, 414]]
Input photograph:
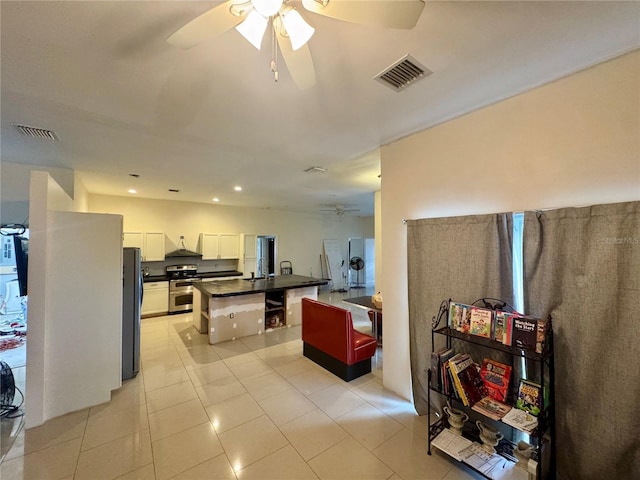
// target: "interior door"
[[266, 260]]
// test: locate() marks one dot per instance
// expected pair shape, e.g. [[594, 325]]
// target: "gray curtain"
[[582, 266], [458, 258]]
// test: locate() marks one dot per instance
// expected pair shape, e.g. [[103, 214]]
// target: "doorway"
[[266, 255], [361, 266]]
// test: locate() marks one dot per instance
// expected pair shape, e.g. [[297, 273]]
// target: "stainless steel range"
[[182, 278]]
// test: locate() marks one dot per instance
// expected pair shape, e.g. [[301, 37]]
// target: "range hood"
[[182, 251]]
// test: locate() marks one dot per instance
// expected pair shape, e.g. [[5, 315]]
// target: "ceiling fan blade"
[[381, 13], [211, 23], [299, 62]]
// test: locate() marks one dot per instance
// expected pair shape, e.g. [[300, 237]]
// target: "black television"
[[21, 248]]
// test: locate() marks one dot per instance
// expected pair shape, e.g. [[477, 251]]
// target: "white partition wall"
[[75, 313], [84, 332]]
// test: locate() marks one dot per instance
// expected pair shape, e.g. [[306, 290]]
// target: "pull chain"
[[274, 52]]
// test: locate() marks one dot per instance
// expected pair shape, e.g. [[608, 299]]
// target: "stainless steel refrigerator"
[[131, 306]]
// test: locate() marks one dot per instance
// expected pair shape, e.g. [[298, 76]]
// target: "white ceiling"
[[101, 75]]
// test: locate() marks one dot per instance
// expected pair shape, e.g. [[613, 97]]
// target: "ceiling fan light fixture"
[[253, 28], [298, 30], [267, 8]]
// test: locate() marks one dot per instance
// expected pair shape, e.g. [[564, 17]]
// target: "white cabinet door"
[[249, 255], [132, 239], [153, 247], [209, 246], [217, 246], [229, 246], [155, 298]]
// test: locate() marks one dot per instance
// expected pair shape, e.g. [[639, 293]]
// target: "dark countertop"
[[166, 278], [229, 288]]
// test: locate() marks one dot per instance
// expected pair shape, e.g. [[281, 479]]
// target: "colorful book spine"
[[457, 366]]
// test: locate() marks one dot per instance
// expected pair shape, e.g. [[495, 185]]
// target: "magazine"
[[450, 443], [521, 420], [491, 408]]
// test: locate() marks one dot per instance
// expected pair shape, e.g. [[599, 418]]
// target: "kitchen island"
[[230, 309]]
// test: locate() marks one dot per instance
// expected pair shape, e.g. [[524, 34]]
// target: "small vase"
[[456, 419]]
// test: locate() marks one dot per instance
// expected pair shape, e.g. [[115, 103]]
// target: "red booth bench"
[[330, 340]]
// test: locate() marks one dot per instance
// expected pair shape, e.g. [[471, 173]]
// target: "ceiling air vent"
[[403, 73], [36, 132], [315, 169]]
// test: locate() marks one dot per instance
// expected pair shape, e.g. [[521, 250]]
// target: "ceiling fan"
[[340, 210], [252, 17]]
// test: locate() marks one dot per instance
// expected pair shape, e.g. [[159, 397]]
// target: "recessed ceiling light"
[[216, 199], [131, 190], [237, 188]]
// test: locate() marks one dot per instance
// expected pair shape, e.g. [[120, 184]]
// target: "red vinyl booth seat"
[[330, 340]]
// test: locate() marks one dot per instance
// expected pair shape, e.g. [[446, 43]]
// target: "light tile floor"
[[253, 408]]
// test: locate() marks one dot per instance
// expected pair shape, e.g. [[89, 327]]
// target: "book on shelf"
[[543, 325], [525, 332], [530, 397], [521, 420], [483, 460], [435, 368], [500, 321], [492, 408], [456, 386], [507, 337], [480, 321], [459, 317], [443, 380], [496, 377], [450, 386], [451, 443], [468, 380], [529, 332]]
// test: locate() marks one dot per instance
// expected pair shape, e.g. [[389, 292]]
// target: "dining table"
[[366, 303]]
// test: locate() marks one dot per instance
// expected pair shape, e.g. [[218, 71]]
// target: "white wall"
[[299, 235], [45, 195], [84, 313], [575, 141], [378, 240], [14, 188], [75, 310]]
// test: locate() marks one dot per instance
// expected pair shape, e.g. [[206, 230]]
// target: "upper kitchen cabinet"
[[133, 239], [218, 246], [151, 244], [153, 250]]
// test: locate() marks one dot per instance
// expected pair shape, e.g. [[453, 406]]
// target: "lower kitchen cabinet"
[[228, 318], [293, 299], [155, 300]]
